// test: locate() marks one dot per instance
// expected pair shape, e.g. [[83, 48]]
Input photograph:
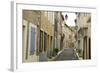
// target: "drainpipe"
[[39, 28]]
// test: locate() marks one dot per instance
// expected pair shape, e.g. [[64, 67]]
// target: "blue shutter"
[[32, 41]]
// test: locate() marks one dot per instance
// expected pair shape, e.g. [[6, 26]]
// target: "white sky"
[[71, 18]]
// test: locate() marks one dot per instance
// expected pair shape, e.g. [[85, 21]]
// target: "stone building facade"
[[83, 22], [37, 34]]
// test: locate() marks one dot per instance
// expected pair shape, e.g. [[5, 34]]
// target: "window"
[[32, 40]]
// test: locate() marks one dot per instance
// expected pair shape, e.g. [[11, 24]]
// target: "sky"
[[71, 18]]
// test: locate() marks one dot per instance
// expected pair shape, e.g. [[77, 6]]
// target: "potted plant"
[[55, 51]]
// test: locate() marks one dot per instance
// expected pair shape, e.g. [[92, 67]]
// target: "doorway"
[[85, 48], [89, 48]]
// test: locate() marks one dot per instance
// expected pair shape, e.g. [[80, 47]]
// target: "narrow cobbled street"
[[56, 36]]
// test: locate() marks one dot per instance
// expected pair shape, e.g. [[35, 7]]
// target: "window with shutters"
[[32, 40]]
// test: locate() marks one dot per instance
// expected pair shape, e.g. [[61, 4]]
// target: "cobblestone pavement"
[[66, 54]]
